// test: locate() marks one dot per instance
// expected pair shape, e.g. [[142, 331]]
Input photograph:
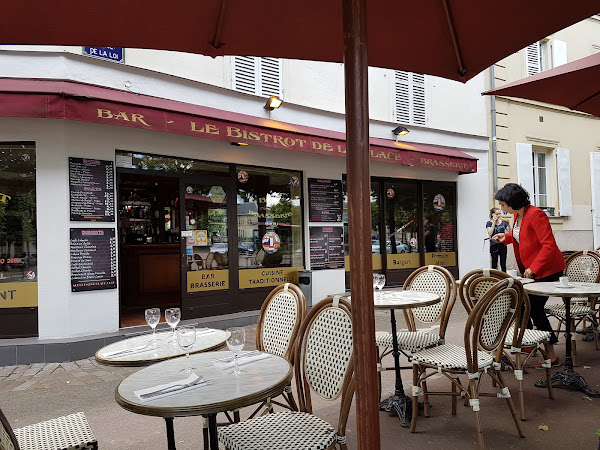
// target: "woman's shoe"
[[555, 363]]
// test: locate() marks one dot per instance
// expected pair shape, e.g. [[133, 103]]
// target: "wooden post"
[[359, 221]]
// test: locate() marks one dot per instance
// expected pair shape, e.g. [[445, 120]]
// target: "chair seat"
[[63, 433], [559, 311], [410, 341], [286, 430], [450, 356], [530, 337]]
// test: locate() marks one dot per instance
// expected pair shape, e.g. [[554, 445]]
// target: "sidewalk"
[[38, 392]]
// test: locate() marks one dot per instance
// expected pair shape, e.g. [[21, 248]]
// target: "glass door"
[[209, 267]]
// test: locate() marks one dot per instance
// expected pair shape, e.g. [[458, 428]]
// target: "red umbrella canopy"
[[575, 85], [448, 38]]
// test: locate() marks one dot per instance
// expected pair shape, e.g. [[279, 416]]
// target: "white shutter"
[[532, 59], [418, 99], [595, 179], [258, 76], [525, 168], [563, 168], [244, 77], [402, 96], [270, 77], [559, 53], [410, 98]]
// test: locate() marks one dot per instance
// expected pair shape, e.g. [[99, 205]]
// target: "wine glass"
[[236, 338], [380, 284], [375, 281], [587, 268], [152, 318], [186, 338], [173, 316]]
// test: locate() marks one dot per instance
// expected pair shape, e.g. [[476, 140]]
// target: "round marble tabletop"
[[554, 289], [399, 299], [224, 391], [141, 350]]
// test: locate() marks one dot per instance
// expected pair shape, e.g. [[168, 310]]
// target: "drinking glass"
[[380, 284], [186, 338], [587, 268], [173, 316], [236, 338], [152, 318], [375, 280]]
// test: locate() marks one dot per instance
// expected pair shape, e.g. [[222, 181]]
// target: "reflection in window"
[[18, 241], [375, 235], [269, 218], [401, 217], [439, 217], [170, 164]]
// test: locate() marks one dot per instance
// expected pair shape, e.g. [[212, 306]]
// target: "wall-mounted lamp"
[[238, 144], [273, 102], [400, 131]]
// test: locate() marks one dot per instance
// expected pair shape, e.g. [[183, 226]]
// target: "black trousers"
[[498, 251], [537, 314]]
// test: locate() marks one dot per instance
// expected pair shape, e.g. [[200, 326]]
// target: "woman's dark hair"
[[513, 195]]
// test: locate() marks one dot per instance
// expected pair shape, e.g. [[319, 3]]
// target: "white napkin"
[[130, 351], [192, 378], [228, 363]]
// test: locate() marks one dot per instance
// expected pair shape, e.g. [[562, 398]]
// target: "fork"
[[174, 388]]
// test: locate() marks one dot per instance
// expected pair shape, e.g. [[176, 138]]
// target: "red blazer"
[[536, 249]]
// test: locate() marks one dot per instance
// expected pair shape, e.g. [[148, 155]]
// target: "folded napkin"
[[175, 387], [244, 358], [130, 351]]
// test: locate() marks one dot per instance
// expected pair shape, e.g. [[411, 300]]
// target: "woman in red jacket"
[[537, 254]]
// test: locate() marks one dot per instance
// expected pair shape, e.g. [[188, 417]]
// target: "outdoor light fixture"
[[400, 131], [238, 144], [274, 102]]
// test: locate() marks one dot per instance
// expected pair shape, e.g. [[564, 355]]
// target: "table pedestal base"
[[570, 378], [401, 405]]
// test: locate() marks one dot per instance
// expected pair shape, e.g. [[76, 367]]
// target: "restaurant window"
[[439, 223], [257, 75], [169, 164], [401, 217], [18, 233], [409, 98], [269, 213], [541, 189]]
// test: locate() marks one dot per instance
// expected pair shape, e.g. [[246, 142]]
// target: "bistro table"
[[224, 391], [567, 377], [393, 299], [142, 350]]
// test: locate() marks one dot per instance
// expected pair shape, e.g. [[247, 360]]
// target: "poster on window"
[[326, 248]]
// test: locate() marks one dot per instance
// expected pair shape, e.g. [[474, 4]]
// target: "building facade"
[[551, 150], [216, 199]]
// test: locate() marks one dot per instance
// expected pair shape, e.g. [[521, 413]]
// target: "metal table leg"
[[212, 432], [569, 377], [170, 433], [399, 403]]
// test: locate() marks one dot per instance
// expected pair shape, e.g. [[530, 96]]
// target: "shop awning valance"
[[50, 99]]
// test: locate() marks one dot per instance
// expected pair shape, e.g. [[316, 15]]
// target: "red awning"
[[76, 101]]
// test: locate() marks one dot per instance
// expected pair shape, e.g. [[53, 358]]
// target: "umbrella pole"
[[359, 222]]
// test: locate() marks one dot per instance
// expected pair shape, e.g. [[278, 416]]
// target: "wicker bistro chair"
[[435, 279], [323, 365], [582, 308], [64, 433], [472, 288], [485, 332]]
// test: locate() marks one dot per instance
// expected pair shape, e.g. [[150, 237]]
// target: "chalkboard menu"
[[326, 200], [326, 247], [93, 259], [92, 190]]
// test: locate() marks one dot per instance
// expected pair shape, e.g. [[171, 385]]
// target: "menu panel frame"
[[93, 259], [326, 247], [91, 190], [326, 200]]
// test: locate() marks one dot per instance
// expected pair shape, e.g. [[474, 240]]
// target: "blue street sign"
[[110, 53]]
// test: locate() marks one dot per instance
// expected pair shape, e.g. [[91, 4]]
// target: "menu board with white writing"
[[326, 247], [92, 190], [325, 200], [93, 259]]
